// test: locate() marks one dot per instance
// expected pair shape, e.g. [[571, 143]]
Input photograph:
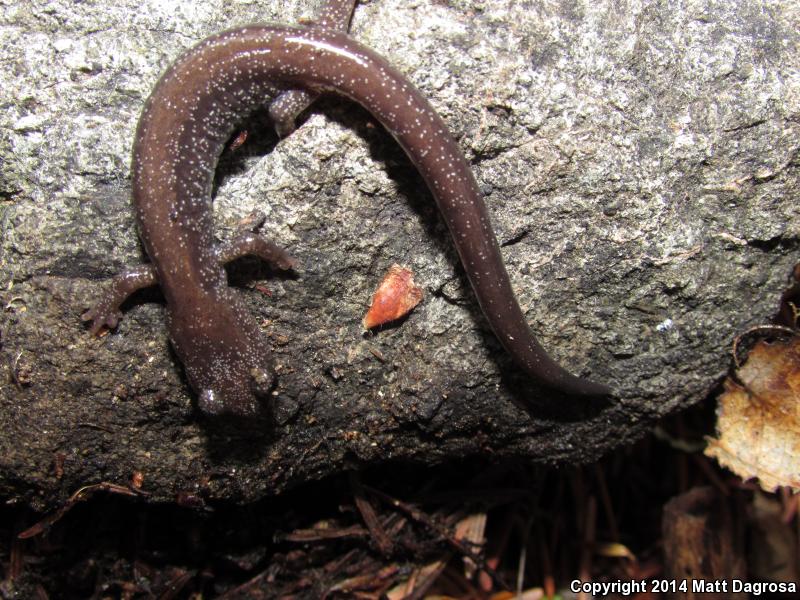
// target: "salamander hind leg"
[[251, 244], [106, 313], [287, 106]]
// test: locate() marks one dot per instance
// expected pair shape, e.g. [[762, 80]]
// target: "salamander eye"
[[262, 381], [210, 402]]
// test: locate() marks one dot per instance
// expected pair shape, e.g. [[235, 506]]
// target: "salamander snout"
[[226, 357], [244, 394]]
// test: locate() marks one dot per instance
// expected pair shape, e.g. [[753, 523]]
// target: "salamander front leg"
[[107, 313], [287, 106], [251, 244]]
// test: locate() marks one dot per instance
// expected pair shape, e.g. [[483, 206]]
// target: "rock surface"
[[640, 162]]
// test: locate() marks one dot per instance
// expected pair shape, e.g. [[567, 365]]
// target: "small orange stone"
[[137, 479], [395, 297]]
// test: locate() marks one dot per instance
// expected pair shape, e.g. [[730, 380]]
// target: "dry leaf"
[[472, 529], [421, 577], [614, 550], [758, 421]]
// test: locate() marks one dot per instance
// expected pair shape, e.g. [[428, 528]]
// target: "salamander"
[[183, 128]]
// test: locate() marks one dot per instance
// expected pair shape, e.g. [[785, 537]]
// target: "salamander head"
[[225, 355]]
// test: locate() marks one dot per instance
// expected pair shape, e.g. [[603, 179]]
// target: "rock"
[[640, 164]]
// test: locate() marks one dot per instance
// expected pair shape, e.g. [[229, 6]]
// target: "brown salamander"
[[182, 130]]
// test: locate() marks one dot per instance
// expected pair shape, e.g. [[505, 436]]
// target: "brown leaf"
[[758, 420]]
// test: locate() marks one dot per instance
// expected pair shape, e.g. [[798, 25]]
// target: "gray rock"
[[640, 161]]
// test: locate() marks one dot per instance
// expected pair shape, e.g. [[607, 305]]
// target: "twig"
[[370, 517], [758, 329], [82, 494], [427, 521], [320, 534]]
